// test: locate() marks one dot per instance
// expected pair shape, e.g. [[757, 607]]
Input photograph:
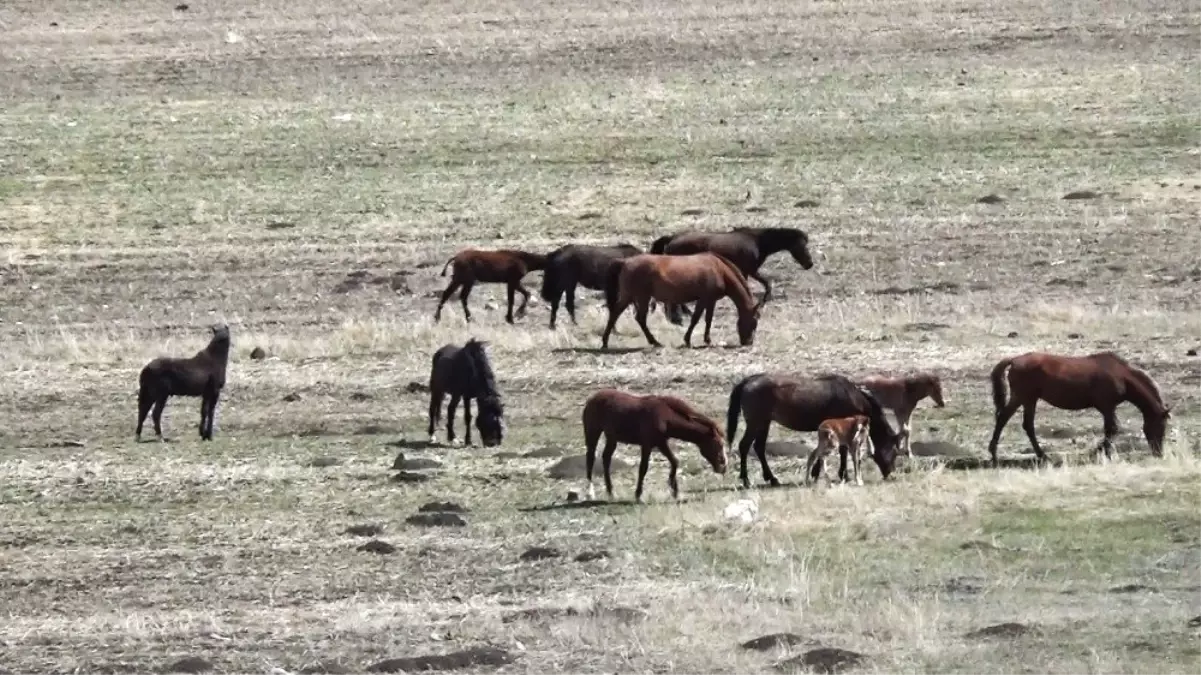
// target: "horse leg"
[[614, 314], [206, 421], [766, 285], [467, 286], [696, 318], [467, 417], [641, 308], [1003, 416], [1028, 424], [591, 437], [145, 403], [761, 452], [673, 480], [204, 413], [451, 408], [644, 463], [571, 302], [744, 449], [450, 290], [435, 410], [510, 291], [903, 415], [708, 320], [525, 299], [1111, 430], [607, 462], [157, 416], [815, 456]]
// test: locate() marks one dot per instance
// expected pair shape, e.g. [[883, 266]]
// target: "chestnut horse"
[[703, 277], [848, 435], [902, 394], [648, 422], [802, 404], [578, 265], [747, 247], [201, 375], [1100, 381], [506, 266]]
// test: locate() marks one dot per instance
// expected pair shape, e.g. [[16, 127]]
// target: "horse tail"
[[448, 262], [999, 395], [733, 412], [550, 278], [613, 283]]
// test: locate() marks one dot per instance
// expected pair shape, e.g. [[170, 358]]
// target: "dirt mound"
[[402, 463], [540, 553], [788, 448], [938, 449], [364, 530], [589, 556], [460, 660], [573, 468], [436, 520], [1008, 630], [190, 664], [547, 451], [322, 462], [447, 507], [377, 546], [823, 660], [767, 643], [992, 198], [410, 477], [326, 668]]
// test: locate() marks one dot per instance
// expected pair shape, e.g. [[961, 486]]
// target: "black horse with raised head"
[[578, 265], [747, 247], [201, 375], [466, 373]]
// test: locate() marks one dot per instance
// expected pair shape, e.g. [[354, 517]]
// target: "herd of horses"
[[701, 268]]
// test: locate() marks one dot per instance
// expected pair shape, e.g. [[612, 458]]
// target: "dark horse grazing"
[[465, 373], [506, 266], [201, 375], [747, 247], [578, 265], [648, 422], [802, 404], [1100, 381], [703, 277]]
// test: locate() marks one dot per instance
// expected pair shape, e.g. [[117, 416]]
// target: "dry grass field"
[[302, 170]]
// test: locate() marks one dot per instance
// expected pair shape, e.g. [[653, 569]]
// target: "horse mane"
[[776, 237], [683, 409], [881, 431], [1140, 376], [481, 367], [737, 273]]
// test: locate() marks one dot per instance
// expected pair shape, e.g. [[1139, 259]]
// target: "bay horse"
[[504, 266], [902, 394], [747, 247], [1101, 381], [802, 404], [701, 277], [578, 265], [200, 375], [466, 373], [847, 435], [648, 422]]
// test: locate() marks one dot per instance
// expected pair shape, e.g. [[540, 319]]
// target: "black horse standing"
[[465, 373], [747, 247], [201, 375], [578, 265]]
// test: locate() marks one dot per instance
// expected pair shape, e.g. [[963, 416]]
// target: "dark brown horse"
[[902, 394], [702, 277], [648, 422], [465, 373], [747, 247], [201, 375], [506, 266], [802, 404], [1100, 381], [578, 265]]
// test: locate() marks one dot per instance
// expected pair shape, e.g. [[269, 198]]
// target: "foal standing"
[[647, 421], [201, 375], [902, 394], [849, 435], [506, 266]]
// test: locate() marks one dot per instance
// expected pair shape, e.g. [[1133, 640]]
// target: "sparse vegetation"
[[303, 170]]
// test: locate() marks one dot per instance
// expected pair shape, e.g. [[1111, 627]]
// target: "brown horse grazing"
[[648, 422], [703, 277], [506, 266], [802, 404], [747, 247], [465, 373], [578, 265], [902, 394], [1100, 381], [848, 435], [201, 375]]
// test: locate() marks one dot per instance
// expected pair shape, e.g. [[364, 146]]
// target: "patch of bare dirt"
[[436, 519], [377, 546], [574, 468], [364, 530], [822, 660], [474, 657], [1005, 631], [190, 664], [766, 643], [540, 553]]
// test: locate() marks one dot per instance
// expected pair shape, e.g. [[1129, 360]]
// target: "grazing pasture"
[[977, 179]]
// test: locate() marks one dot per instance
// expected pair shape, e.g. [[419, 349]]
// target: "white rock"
[[743, 511]]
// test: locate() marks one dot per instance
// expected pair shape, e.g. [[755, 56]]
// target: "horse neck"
[[687, 429], [533, 261], [1142, 392], [218, 349], [772, 241], [483, 382], [738, 289]]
